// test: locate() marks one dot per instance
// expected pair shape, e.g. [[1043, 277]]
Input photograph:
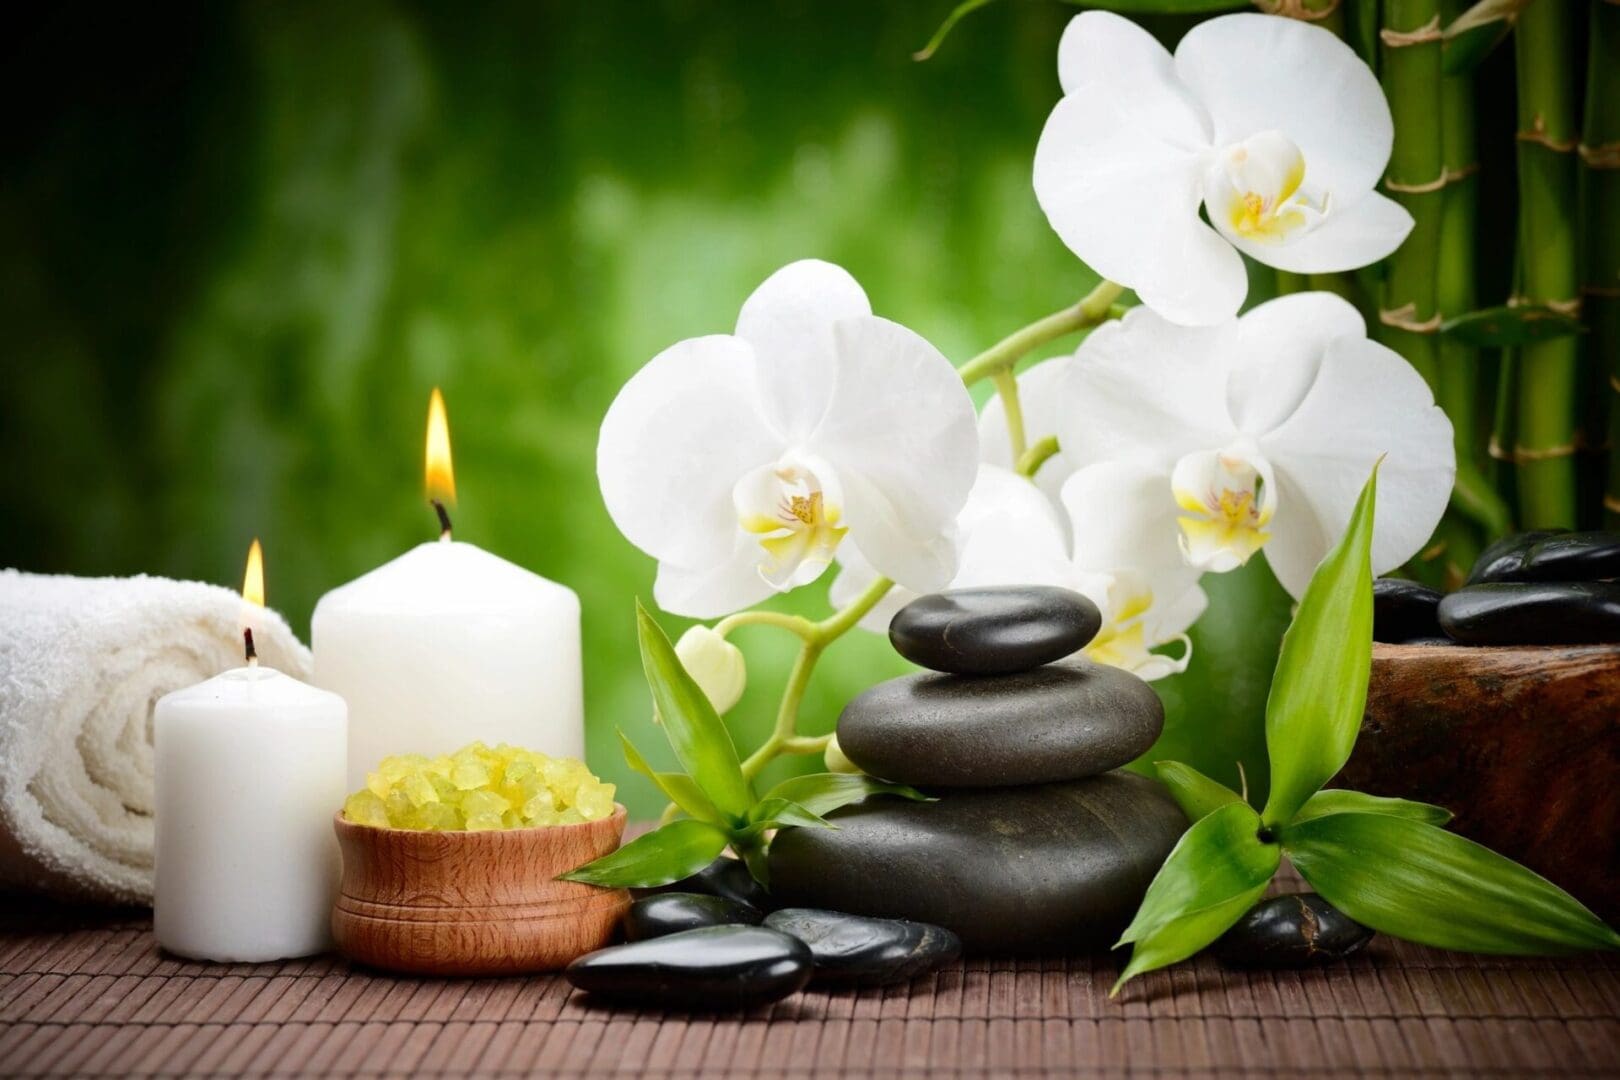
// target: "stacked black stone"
[[1536, 588], [1035, 840]]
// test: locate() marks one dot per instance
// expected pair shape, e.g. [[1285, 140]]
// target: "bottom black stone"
[[1042, 867]]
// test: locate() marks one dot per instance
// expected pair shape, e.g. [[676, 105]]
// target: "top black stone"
[[994, 631]]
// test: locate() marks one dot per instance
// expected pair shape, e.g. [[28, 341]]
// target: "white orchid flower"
[[1011, 534], [743, 462], [1258, 433], [1276, 127]]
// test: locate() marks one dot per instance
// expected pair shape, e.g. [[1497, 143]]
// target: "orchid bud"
[[715, 664], [835, 760]]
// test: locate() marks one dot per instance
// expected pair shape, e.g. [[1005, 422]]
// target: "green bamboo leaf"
[[1136, 7], [780, 814], [1411, 880], [822, 793], [677, 787], [1473, 34], [695, 730], [1218, 857], [1340, 801], [1510, 325], [1320, 689], [1216, 872], [679, 849], [1187, 935], [1197, 794]]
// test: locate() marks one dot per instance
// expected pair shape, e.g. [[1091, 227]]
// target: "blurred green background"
[[240, 243]]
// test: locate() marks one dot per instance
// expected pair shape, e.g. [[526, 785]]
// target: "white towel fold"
[[82, 662]]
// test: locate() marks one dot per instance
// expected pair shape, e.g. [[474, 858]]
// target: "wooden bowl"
[[1521, 742], [473, 903]]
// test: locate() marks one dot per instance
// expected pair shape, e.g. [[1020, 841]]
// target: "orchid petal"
[[1276, 352], [900, 432], [718, 588], [675, 441], [1350, 235], [1256, 73], [789, 320], [1106, 52], [1010, 534], [1122, 513], [1366, 402], [1147, 390]]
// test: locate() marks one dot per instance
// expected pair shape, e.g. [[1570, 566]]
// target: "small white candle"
[[250, 768], [449, 643]]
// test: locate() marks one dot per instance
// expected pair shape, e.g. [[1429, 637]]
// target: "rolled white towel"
[[82, 662]]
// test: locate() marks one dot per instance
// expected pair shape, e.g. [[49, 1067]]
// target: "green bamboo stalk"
[[1600, 226], [1410, 73], [1457, 377], [1549, 386], [1409, 319]]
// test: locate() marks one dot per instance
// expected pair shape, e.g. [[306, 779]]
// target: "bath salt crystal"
[[478, 788]]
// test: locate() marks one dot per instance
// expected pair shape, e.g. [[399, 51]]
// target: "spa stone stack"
[[1034, 841]]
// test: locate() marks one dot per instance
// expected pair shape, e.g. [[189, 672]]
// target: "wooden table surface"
[[86, 993]]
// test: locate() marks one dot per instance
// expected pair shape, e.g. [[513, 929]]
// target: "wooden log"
[[1522, 743]]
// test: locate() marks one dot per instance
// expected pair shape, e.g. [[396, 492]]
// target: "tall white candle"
[[447, 644], [249, 771]]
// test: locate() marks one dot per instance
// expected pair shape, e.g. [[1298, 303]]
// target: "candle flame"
[[253, 580], [441, 477]]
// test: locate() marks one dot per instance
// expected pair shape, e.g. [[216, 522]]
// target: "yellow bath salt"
[[479, 787]]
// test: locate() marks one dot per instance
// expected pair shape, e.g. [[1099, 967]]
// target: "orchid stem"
[[1007, 388], [1031, 460], [1097, 307], [794, 624]]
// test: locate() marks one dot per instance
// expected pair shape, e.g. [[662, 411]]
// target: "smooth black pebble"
[[857, 950], [717, 967], [1404, 611], [725, 877], [1048, 867], [1059, 722], [1293, 930], [670, 913], [1503, 559], [994, 631], [1533, 613]]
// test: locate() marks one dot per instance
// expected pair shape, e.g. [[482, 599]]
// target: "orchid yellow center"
[[1128, 635], [1255, 190], [1227, 500], [794, 507]]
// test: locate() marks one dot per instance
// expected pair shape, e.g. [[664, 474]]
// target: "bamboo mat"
[[86, 993]]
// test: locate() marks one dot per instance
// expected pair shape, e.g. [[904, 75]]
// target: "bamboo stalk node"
[[1602, 156], [1405, 318], [1607, 292], [1424, 188], [1571, 307], [1611, 503], [1538, 135], [1296, 9], [1427, 34]]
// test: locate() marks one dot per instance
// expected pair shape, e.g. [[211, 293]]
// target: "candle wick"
[[248, 649], [444, 519]]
